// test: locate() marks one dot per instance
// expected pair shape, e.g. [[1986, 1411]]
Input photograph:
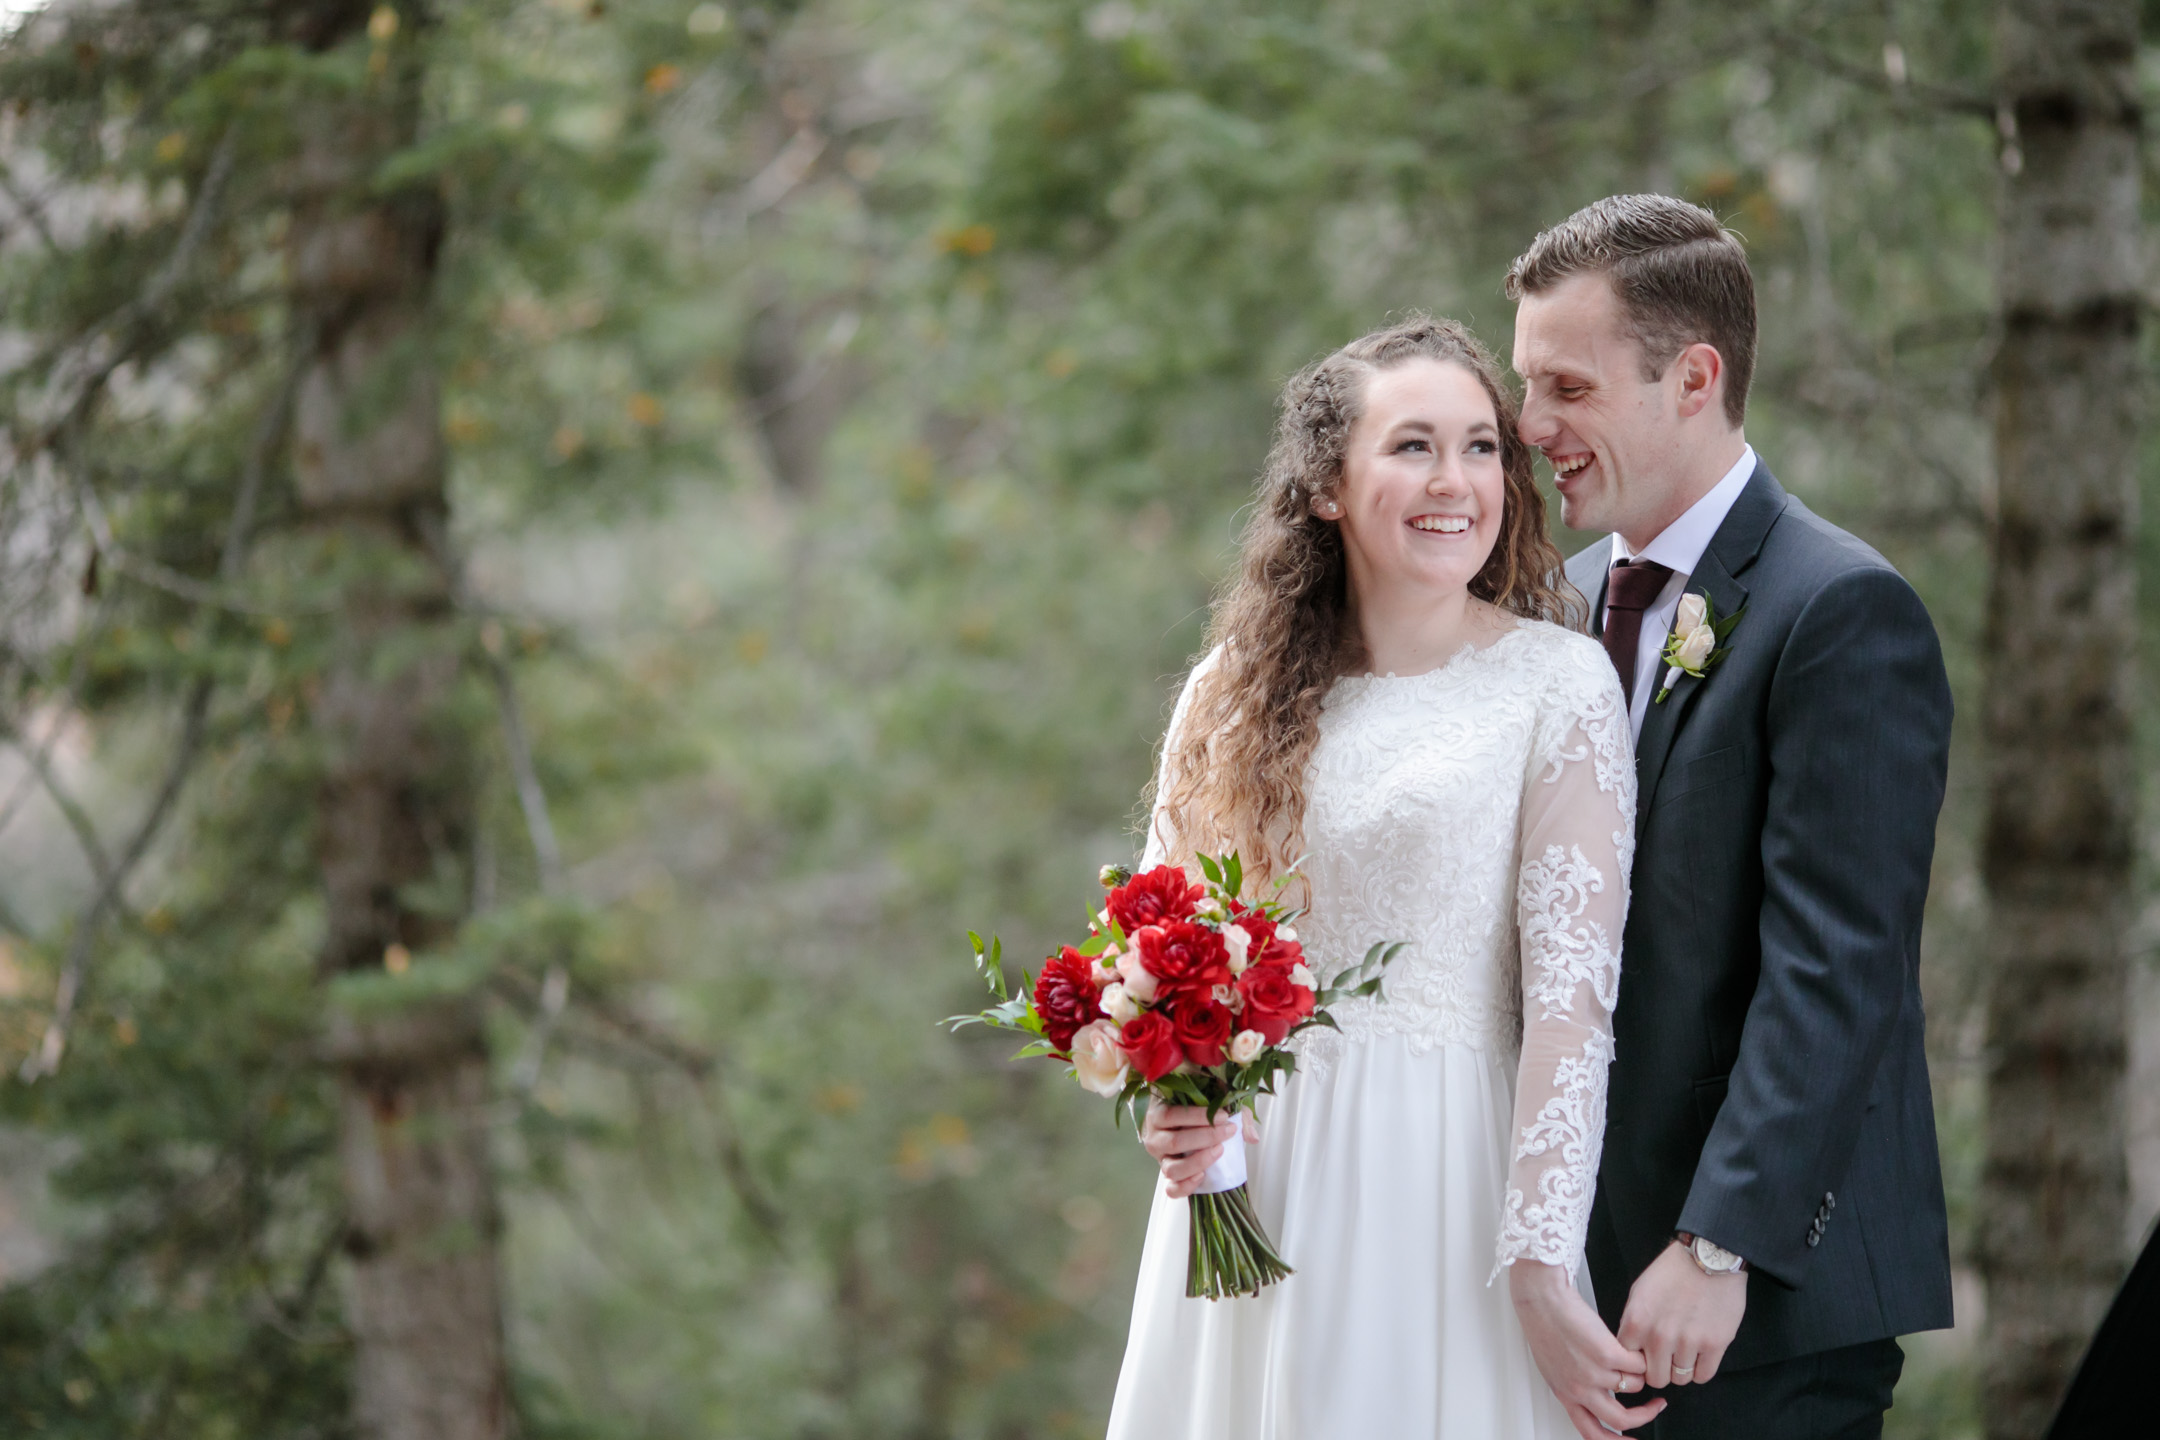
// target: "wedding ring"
[[1683, 1374]]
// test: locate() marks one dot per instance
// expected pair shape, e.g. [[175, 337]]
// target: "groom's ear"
[[1700, 372]]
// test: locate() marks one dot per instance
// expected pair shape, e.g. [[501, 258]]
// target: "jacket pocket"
[[1709, 1099], [1703, 771]]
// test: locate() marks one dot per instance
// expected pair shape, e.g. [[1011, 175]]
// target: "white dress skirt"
[[1485, 813]]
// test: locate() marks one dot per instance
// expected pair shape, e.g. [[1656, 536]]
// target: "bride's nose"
[[1446, 477]]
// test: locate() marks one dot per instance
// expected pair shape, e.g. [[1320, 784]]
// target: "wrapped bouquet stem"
[[1182, 994]]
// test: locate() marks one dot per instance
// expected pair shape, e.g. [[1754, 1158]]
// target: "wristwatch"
[[1710, 1257]]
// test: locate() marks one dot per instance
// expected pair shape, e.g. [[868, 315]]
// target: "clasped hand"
[[1675, 1331], [1185, 1143]]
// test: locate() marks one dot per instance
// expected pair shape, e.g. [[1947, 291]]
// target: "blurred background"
[[559, 553]]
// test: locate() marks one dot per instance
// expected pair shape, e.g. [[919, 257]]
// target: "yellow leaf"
[[974, 241], [662, 78], [382, 24], [396, 959]]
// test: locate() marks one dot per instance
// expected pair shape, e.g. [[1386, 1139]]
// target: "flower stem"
[[1230, 1254]]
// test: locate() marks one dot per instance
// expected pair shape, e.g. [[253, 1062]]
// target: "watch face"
[[1714, 1256]]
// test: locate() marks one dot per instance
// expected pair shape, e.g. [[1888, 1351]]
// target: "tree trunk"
[[396, 808], [2060, 837]]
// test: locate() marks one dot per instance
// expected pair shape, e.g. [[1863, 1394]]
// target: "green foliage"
[[849, 410]]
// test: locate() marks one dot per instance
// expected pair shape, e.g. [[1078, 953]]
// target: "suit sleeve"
[[1858, 731]]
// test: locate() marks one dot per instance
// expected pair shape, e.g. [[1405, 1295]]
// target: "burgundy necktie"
[[1632, 587]]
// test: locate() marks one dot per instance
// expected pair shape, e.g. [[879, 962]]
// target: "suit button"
[[1814, 1238], [1829, 1201]]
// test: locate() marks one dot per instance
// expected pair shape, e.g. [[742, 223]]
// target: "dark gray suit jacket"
[[1771, 1090]]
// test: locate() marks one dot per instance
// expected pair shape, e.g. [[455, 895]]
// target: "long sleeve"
[[1578, 839], [1161, 838]]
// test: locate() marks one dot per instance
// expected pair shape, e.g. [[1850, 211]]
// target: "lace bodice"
[[1484, 812]]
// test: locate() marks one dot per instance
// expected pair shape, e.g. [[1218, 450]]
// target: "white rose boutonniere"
[[1697, 642]]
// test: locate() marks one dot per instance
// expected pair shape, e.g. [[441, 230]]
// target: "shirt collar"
[[1679, 546]]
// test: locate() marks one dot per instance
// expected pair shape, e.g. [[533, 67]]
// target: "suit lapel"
[[1596, 593], [1739, 538]]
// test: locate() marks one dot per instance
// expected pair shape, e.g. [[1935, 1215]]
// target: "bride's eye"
[[1484, 447], [1412, 445]]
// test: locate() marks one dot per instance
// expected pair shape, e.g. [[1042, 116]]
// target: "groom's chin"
[[1578, 513]]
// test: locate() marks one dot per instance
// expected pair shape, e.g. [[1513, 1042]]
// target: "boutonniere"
[[1697, 642]]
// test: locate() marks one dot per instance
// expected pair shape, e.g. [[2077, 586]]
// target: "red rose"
[[1151, 1045], [1274, 1004], [1066, 997], [1276, 951], [1151, 897], [1184, 958], [1202, 1028]]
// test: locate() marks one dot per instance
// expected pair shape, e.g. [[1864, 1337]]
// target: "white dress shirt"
[[1679, 548]]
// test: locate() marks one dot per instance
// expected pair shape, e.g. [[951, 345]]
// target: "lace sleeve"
[[1578, 840]]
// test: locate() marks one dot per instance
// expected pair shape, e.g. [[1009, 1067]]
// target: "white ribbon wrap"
[[1228, 1172]]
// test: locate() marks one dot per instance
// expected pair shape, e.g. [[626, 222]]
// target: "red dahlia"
[[1152, 897], [1065, 996]]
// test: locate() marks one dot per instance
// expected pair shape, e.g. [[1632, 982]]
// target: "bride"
[[1392, 694]]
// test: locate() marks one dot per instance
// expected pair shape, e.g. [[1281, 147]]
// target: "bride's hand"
[[1576, 1354], [1184, 1143]]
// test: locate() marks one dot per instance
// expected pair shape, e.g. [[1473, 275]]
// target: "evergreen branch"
[[112, 878], [77, 664], [46, 1060], [703, 1069], [163, 577], [532, 803], [1945, 99], [33, 210], [130, 321], [71, 809]]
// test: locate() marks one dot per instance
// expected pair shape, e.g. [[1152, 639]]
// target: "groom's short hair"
[[1682, 279]]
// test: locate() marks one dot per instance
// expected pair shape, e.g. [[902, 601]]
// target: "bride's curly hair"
[[1232, 775]]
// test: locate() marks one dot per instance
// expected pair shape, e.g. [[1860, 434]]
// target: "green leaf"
[[1209, 868]]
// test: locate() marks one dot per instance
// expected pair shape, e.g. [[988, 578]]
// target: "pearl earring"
[[1329, 509]]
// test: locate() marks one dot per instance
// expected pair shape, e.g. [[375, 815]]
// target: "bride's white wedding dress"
[[1485, 812]]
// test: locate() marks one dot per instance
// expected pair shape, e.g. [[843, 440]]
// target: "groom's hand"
[[1681, 1319], [1185, 1142], [1575, 1353]]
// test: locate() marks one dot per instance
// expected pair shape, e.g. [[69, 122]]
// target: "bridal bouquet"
[[1183, 993]]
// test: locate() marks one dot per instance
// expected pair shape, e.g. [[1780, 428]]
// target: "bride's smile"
[[1419, 507]]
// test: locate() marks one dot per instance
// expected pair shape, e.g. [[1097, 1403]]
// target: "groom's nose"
[[1534, 424]]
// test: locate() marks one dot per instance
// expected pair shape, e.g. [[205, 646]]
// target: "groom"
[[1769, 1211]]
